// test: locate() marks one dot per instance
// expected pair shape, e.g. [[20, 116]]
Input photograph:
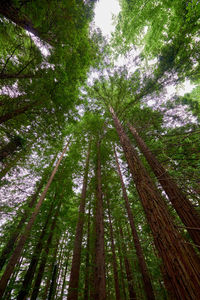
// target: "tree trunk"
[[23, 293], [99, 269], [64, 279], [18, 250], [8, 10], [187, 213], [76, 260], [141, 260], [129, 275], [10, 148], [53, 283], [18, 76], [181, 263], [87, 259], [10, 244], [114, 259], [40, 273], [16, 112]]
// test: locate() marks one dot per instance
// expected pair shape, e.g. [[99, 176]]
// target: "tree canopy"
[[99, 160]]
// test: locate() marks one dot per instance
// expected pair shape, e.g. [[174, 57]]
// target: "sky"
[[104, 10]]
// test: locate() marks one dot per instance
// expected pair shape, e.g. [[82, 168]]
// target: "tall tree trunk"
[[114, 259], [53, 283], [129, 275], [99, 269], [187, 213], [181, 263], [87, 259], [76, 260], [23, 293], [10, 244], [8, 10], [141, 260], [19, 247], [64, 279], [44, 258]]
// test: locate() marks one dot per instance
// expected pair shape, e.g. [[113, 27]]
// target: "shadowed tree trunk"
[[44, 258], [141, 260], [34, 260], [87, 259], [17, 112], [64, 279], [76, 261], [181, 264], [53, 283], [129, 275], [10, 244], [20, 245], [18, 76], [187, 213], [99, 269], [114, 259], [15, 144]]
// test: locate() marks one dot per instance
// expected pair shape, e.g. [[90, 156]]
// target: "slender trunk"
[[129, 275], [141, 260], [87, 259], [10, 244], [76, 260], [18, 76], [17, 112], [18, 250], [40, 273], [121, 270], [181, 264], [114, 259], [64, 279], [53, 283], [187, 213], [23, 293], [99, 269]]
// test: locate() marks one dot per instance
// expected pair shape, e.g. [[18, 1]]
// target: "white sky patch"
[[104, 11]]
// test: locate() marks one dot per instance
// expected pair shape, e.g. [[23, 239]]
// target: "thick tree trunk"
[[181, 264], [87, 259], [99, 269], [114, 259], [129, 275], [141, 260], [187, 213], [76, 260], [10, 244], [40, 273], [34, 261], [8, 10], [19, 247]]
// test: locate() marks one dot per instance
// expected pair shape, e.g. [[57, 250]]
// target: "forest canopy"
[[99, 151]]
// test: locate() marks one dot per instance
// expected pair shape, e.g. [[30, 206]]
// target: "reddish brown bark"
[[141, 260], [187, 213], [19, 247], [181, 264], [129, 275], [76, 260], [114, 259], [99, 269]]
